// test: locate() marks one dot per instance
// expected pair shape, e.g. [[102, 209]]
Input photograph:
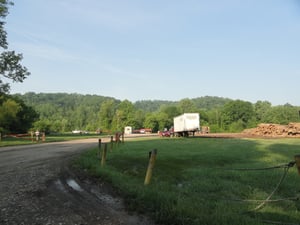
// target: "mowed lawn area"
[[198, 181]]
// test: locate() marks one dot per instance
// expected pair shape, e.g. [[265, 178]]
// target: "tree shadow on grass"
[[202, 171], [282, 151]]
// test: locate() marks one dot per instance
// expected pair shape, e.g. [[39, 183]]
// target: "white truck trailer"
[[186, 123]]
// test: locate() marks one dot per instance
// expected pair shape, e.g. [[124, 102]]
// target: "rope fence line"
[[262, 203], [286, 168], [278, 223], [290, 164], [295, 198]]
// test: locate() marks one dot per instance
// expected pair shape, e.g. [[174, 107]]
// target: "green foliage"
[[43, 126], [193, 182], [151, 106], [67, 112], [236, 114], [9, 110], [10, 62], [262, 110], [106, 114], [186, 106], [208, 103], [15, 115], [139, 118], [164, 121], [171, 111], [124, 116], [283, 114], [151, 121]]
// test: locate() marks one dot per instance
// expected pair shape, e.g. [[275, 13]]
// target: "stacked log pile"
[[275, 130], [294, 129]]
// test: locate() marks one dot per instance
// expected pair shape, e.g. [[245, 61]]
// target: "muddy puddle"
[[66, 185], [74, 185]]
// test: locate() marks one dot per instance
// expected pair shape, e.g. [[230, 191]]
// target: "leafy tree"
[[214, 120], [26, 117], [151, 106], [204, 117], [164, 121], [283, 114], [124, 116], [187, 106], [10, 62], [139, 118], [166, 116], [107, 112], [8, 113], [151, 121], [42, 126], [262, 109], [56, 126], [210, 102], [170, 110], [237, 111], [15, 116]]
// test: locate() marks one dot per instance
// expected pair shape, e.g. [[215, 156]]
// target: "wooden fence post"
[[111, 142], [103, 158], [297, 160], [152, 159], [118, 138], [99, 148]]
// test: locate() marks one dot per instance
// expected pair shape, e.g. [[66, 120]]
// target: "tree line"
[[62, 112]]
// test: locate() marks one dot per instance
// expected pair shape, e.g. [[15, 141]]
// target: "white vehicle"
[[76, 131], [186, 123]]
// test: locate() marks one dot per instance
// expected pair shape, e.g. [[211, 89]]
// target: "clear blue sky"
[[160, 49]]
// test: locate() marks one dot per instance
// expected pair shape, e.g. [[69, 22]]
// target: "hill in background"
[[73, 100]]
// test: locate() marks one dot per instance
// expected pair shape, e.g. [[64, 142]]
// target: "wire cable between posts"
[[290, 164], [286, 168]]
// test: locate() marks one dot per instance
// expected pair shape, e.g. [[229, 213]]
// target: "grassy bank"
[[193, 181]]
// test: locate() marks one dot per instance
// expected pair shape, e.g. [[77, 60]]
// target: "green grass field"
[[194, 181]]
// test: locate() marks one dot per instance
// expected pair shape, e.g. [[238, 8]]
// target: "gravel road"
[[37, 187]]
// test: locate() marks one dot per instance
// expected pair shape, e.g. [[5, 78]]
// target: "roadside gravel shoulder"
[[38, 187]]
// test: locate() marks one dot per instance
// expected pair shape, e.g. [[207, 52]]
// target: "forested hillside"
[[62, 112]]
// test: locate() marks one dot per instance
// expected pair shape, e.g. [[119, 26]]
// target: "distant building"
[[128, 130]]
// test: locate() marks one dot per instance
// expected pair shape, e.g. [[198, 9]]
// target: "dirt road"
[[37, 187]]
